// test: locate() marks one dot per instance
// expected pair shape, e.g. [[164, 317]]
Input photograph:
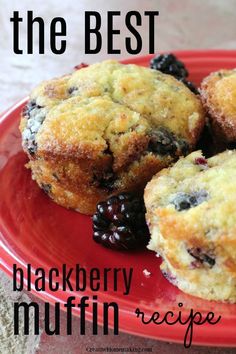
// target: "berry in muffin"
[[218, 94], [119, 223], [107, 129], [191, 213]]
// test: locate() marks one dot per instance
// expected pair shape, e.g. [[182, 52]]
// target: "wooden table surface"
[[185, 24]]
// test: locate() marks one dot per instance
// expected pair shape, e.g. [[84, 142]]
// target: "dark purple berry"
[[164, 142], [185, 201], [99, 222], [202, 257], [183, 204], [169, 64], [124, 196], [112, 201], [119, 223]]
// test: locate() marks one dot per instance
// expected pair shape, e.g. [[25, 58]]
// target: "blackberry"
[[119, 223], [164, 142], [169, 64], [190, 85], [202, 257], [185, 201]]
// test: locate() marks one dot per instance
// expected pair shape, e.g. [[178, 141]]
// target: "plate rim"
[[4, 118]]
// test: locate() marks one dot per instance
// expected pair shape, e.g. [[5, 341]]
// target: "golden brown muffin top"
[[89, 125], [106, 104]]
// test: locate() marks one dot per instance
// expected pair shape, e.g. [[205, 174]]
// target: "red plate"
[[37, 231]]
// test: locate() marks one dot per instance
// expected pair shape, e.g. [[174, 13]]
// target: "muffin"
[[106, 129], [191, 213], [218, 93]]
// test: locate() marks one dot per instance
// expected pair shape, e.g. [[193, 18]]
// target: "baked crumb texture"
[[106, 129], [191, 213], [218, 94]]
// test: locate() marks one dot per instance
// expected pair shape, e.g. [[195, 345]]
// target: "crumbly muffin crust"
[[218, 93], [106, 129], [191, 213]]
